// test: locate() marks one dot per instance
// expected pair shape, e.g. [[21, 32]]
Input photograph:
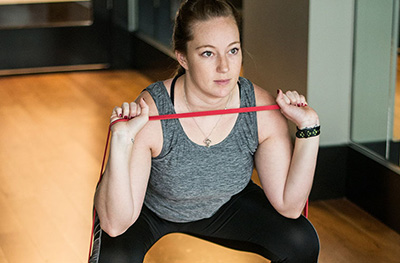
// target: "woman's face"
[[214, 57]]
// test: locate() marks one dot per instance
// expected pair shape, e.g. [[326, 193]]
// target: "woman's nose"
[[223, 65]]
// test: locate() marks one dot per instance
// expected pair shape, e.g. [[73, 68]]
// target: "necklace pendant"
[[207, 142]]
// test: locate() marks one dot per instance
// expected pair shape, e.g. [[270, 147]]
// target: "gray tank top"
[[189, 182]]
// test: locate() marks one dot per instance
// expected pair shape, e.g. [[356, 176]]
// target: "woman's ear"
[[181, 59]]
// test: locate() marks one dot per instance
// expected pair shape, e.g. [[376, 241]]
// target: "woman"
[[193, 175]]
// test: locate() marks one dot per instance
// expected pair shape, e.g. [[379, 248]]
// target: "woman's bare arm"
[[286, 174], [120, 194]]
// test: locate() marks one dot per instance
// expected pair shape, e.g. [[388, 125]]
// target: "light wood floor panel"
[[348, 234], [52, 133], [2, 256]]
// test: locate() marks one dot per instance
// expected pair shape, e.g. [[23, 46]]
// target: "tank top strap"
[[161, 98], [172, 92]]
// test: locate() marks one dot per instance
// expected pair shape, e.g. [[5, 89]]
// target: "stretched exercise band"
[[205, 113]]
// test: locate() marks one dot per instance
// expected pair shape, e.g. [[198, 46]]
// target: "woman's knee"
[[303, 243], [120, 250]]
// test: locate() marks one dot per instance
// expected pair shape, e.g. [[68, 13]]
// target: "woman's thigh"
[[249, 222]]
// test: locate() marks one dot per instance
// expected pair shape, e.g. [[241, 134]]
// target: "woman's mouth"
[[222, 82]]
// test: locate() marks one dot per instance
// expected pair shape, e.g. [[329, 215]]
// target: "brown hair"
[[192, 11]]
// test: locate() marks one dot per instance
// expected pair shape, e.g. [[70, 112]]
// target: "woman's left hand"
[[295, 108]]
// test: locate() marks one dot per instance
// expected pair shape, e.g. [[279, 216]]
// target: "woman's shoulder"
[[263, 97], [151, 135], [269, 122]]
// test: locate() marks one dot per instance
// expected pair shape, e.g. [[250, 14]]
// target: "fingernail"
[[120, 115], [125, 117]]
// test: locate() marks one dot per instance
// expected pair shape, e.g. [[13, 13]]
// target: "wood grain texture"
[[52, 135]]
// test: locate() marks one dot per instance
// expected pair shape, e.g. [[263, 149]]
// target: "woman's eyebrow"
[[211, 46], [205, 46], [234, 43]]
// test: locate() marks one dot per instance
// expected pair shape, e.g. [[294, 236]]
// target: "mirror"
[[376, 95]]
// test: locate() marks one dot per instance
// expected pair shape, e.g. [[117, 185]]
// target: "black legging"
[[247, 222]]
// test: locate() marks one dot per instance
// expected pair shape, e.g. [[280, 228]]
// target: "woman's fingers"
[[144, 108], [116, 114], [132, 110], [292, 106], [125, 110], [295, 98], [136, 114], [291, 98], [285, 98]]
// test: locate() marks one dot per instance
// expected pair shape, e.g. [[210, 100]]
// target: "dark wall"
[[121, 45], [330, 173], [374, 187]]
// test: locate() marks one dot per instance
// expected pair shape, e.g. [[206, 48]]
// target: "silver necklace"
[[206, 140]]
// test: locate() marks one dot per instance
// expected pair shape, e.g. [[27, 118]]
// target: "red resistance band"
[[205, 113], [187, 115], [213, 112]]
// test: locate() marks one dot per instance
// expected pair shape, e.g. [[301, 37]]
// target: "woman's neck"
[[196, 100]]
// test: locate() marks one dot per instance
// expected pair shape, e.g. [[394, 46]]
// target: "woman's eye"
[[207, 54], [234, 51]]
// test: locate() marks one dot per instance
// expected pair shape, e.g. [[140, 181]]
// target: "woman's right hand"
[[137, 115]]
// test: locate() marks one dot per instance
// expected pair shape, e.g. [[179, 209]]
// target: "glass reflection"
[[375, 121], [51, 13]]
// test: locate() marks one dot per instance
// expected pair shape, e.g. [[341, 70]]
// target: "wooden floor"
[[52, 136]]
